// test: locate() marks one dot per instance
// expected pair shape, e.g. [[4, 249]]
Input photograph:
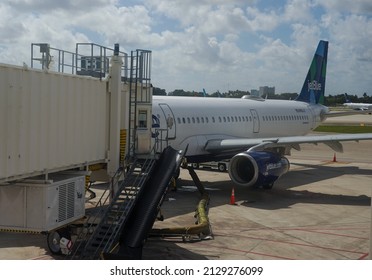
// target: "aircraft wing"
[[259, 144]]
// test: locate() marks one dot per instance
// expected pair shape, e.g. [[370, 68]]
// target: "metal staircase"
[[105, 226], [105, 222]]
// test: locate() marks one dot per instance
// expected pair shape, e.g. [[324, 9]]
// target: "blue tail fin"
[[204, 93], [313, 88]]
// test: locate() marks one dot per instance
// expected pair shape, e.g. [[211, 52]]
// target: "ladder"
[[92, 242], [139, 90]]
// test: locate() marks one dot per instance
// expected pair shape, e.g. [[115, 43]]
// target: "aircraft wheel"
[[221, 167], [195, 165]]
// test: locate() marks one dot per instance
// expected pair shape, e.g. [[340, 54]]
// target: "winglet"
[[314, 84]]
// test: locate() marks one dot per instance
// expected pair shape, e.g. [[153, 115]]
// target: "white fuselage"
[[192, 121], [358, 106]]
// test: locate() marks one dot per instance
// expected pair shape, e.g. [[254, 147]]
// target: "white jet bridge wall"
[[50, 121]]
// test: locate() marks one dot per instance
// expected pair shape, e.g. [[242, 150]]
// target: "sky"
[[212, 44]]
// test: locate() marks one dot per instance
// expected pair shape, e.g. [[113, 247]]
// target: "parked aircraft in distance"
[[255, 134], [357, 106]]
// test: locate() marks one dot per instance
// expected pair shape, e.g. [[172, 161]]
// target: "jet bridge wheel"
[[54, 237]]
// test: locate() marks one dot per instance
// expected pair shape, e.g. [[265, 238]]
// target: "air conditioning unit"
[[37, 205]]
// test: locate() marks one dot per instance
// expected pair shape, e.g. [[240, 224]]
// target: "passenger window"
[[188, 120]]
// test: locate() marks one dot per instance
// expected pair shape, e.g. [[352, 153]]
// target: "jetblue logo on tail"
[[314, 85]]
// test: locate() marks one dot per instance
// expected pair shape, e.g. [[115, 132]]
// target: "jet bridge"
[[70, 114], [73, 110]]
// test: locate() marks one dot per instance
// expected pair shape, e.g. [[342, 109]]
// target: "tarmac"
[[319, 210]]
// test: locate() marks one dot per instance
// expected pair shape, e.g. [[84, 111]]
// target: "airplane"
[[357, 106], [255, 134]]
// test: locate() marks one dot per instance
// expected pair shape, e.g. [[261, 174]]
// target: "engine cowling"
[[259, 168]]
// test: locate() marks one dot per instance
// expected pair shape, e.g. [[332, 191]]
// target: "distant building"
[[265, 91], [255, 92]]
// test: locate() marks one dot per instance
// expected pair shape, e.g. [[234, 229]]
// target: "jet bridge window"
[[142, 119]]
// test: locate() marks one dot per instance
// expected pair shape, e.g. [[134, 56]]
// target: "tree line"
[[330, 100]]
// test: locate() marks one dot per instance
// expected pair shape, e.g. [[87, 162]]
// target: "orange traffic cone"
[[334, 158], [232, 197]]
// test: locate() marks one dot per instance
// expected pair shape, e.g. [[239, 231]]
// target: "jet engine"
[[258, 168]]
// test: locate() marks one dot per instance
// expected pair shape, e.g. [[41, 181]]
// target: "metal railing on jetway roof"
[[89, 59]]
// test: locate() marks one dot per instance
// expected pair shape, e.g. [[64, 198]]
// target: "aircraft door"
[[256, 121], [170, 121]]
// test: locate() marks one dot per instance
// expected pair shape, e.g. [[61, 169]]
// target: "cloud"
[[298, 11], [42, 6], [205, 43], [262, 21], [344, 6]]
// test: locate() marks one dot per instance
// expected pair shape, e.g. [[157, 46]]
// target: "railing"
[[89, 59]]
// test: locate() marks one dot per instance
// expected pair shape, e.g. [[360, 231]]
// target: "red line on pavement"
[[330, 233], [297, 244], [246, 252], [363, 256]]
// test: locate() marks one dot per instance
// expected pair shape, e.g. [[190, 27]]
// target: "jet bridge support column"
[[115, 113]]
